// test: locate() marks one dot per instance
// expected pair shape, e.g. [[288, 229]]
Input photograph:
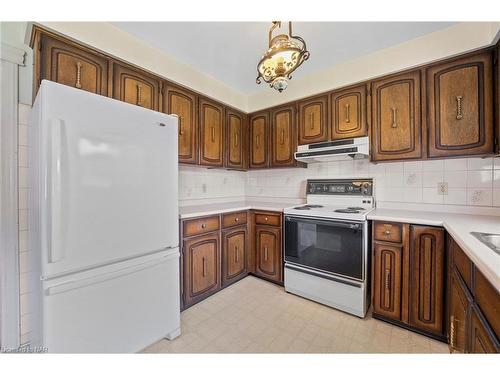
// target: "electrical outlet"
[[442, 188]]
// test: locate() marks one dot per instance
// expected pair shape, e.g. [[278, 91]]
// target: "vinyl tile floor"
[[256, 316]]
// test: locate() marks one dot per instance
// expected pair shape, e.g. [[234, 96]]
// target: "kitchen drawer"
[[462, 263], [200, 226], [384, 231], [234, 218], [488, 300], [268, 219]]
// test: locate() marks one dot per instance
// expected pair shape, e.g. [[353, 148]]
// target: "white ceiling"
[[230, 51]]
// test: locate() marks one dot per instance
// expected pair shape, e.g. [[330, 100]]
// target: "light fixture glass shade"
[[285, 54]]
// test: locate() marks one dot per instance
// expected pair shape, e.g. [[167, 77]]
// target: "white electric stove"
[[327, 244]]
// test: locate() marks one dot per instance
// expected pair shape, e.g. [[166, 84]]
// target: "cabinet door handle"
[[203, 261], [282, 141], [459, 107], [265, 253], [235, 139], [236, 253], [452, 332], [257, 141], [347, 119], [139, 94], [203, 225], [394, 117], [311, 120], [181, 132], [78, 83], [387, 233], [236, 219], [387, 281], [266, 218], [213, 134]]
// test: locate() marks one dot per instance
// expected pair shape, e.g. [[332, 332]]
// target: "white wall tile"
[[433, 165], [412, 195], [455, 164], [412, 166], [480, 179], [474, 164], [496, 197], [455, 196], [394, 167], [430, 195], [431, 179], [496, 162], [480, 197], [395, 179], [455, 179], [413, 179], [24, 113], [496, 179]]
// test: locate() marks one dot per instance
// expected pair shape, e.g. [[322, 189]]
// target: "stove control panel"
[[357, 187]]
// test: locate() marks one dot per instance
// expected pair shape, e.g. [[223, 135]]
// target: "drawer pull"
[[236, 219], [459, 107], [265, 253], [203, 225], [266, 218], [203, 260], [139, 94], [347, 119], [78, 83], [236, 254], [387, 232]]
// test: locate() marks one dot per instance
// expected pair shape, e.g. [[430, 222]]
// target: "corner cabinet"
[[236, 140], [348, 113], [136, 87], [313, 120], [283, 136], [396, 117], [184, 104], [259, 140], [460, 105], [408, 271], [211, 116]]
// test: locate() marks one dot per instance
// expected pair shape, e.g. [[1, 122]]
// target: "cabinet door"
[[427, 278], [460, 97], [259, 130], [283, 143], [135, 87], [234, 255], [396, 118], [459, 312], [348, 113], [201, 258], [268, 252], [72, 65], [387, 280], [236, 135], [211, 133], [313, 120], [183, 103], [482, 340]]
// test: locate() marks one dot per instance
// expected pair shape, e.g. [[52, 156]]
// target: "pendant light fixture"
[[285, 54]]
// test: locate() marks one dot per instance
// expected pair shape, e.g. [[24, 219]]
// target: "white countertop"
[[186, 212], [459, 227]]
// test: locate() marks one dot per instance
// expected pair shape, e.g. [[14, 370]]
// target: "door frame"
[[10, 59]]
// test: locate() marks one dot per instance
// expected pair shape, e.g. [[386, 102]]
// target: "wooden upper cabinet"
[[71, 65], [427, 278], [136, 87], [348, 113], [460, 100], [236, 139], [183, 103], [313, 120], [396, 118], [211, 115], [283, 140], [459, 306], [259, 131], [387, 280]]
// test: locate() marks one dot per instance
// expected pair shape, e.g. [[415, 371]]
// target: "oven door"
[[336, 247]]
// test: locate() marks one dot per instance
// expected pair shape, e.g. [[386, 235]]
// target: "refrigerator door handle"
[[86, 281], [57, 233]]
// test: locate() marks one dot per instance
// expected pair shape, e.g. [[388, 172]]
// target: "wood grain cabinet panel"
[[482, 340], [283, 140], [184, 104], [211, 116], [259, 133], [234, 255], [236, 136], [72, 65], [348, 113], [313, 120], [488, 300], [136, 87], [396, 118], [427, 278], [201, 258], [268, 257], [459, 309], [460, 105], [387, 280]]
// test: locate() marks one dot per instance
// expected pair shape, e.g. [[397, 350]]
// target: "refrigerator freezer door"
[[113, 309], [108, 183]]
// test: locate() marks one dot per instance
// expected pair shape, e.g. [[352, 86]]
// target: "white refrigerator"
[[103, 223]]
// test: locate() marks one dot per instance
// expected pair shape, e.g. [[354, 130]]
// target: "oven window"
[[330, 246]]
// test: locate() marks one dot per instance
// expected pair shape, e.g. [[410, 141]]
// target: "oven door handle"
[[331, 223]]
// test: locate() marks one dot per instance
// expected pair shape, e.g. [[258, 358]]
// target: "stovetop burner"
[[308, 207], [350, 210]]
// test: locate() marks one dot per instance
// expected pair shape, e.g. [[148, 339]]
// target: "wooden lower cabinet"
[[201, 271], [409, 276], [268, 254], [481, 339], [234, 255], [459, 309]]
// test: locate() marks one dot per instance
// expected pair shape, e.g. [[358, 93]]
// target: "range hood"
[[344, 149]]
